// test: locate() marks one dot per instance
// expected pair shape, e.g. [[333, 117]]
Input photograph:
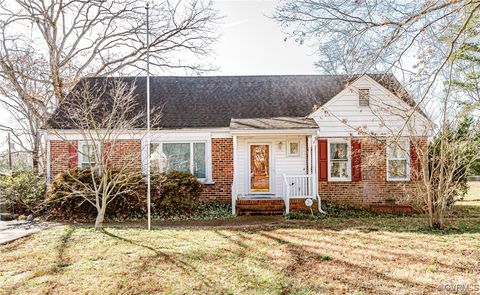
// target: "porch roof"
[[276, 123]]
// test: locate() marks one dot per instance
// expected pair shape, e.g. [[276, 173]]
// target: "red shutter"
[[415, 167], [356, 160], [322, 159], [72, 155]]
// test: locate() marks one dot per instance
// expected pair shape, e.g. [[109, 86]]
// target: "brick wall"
[[222, 170], [123, 152], [59, 156], [130, 151], [126, 153], [373, 188]]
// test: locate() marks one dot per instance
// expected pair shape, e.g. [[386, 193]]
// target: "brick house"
[[273, 140]]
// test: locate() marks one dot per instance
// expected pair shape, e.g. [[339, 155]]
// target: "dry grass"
[[395, 255]]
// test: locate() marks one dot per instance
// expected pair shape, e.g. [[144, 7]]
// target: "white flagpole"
[[148, 120]]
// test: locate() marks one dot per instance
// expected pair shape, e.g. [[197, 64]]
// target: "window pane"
[[155, 159], [397, 168], [199, 160], [339, 169], [293, 148], [88, 154], [339, 151], [398, 150], [177, 156]]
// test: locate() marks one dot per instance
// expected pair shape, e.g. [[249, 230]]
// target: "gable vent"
[[364, 97]]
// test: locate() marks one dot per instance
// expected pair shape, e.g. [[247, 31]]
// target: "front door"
[[259, 168]]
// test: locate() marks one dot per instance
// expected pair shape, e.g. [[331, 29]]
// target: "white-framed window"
[[88, 154], [339, 160], [179, 156], [398, 160], [293, 148]]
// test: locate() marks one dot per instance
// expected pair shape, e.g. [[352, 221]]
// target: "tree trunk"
[[36, 153], [35, 160], [100, 218]]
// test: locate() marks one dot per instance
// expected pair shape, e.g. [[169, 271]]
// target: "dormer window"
[[364, 97]]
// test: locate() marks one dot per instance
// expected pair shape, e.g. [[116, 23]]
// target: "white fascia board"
[[76, 134], [275, 131]]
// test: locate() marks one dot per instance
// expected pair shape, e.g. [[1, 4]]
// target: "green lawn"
[[334, 255]]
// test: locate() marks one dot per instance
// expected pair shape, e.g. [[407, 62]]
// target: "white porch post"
[[234, 185]]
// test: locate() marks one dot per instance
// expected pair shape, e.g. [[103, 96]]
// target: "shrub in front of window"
[[177, 191], [63, 203], [180, 190]]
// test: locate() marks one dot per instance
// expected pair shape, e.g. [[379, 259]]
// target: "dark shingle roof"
[[212, 101]]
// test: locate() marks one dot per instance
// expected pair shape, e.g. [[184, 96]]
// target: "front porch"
[[273, 167]]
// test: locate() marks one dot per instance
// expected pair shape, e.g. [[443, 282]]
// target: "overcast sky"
[[251, 44]]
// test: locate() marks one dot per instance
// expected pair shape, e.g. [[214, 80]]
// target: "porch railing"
[[297, 187]]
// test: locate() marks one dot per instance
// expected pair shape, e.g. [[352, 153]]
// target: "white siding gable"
[[386, 115]]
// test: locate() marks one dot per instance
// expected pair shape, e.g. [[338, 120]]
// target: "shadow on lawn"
[[394, 224], [305, 261], [61, 261], [186, 267]]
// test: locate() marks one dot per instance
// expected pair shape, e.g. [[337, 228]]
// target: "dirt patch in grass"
[[387, 255]]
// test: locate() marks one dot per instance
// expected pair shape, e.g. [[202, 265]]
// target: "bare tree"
[[418, 42], [103, 113], [64, 41], [27, 108]]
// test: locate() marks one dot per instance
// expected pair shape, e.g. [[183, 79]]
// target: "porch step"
[[260, 207]]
